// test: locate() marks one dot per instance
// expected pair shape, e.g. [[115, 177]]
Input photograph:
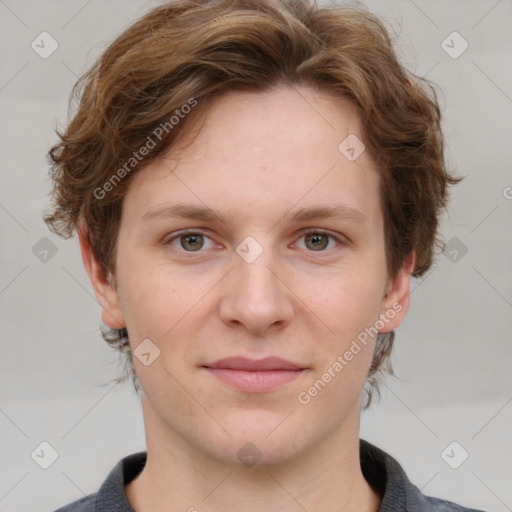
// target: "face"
[[276, 251]]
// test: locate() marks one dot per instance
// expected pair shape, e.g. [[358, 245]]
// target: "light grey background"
[[452, 355]]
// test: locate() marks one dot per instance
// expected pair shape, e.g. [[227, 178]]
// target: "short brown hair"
[[195, 50]]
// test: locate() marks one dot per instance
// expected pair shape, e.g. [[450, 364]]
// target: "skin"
[[258, 157]]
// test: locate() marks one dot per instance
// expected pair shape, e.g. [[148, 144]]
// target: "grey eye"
[[192, 242], [317, 241]]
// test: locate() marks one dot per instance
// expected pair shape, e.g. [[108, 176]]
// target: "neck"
[[178, 477]]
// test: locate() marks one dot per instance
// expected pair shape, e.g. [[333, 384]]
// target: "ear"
[[397, 297], [105, 292]]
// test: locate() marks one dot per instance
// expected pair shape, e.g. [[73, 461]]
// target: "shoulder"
[[86, 504], [438, 505], [397, 492], [111, 496]]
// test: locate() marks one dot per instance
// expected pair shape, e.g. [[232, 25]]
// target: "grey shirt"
[[380, 470]]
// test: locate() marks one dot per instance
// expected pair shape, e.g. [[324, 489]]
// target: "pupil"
[[193, 241], [316, 239]]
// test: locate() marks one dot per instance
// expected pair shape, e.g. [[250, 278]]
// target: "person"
[[253, 184]]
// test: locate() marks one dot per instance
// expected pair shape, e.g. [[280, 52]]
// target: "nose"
[[255, 296]]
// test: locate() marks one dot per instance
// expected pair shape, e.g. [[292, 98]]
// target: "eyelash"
[[305, 232]]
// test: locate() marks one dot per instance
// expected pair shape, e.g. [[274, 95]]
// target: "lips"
[[254, 376], [254, 365]]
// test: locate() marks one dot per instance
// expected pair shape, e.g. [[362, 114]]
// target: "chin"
[[258, 446]]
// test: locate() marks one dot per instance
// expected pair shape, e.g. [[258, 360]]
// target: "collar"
[[380, 470]]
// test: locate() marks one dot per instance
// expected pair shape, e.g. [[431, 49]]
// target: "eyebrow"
[[188, 211]]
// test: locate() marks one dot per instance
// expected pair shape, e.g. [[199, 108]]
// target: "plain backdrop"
[[452, 355]]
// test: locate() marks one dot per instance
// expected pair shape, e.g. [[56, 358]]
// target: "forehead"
[[264, 152], [298, 119]]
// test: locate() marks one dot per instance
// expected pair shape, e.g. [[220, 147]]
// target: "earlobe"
[[396, 301], [105, 291]]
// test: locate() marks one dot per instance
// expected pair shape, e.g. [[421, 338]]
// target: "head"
[[253, 110]]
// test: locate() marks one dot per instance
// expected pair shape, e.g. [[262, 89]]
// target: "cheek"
[[149, 299], [168, 306], [350, 306], [347, 300]]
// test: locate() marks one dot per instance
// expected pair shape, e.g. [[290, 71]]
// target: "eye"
[[193, 241], [189, 241], [318, 240]]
